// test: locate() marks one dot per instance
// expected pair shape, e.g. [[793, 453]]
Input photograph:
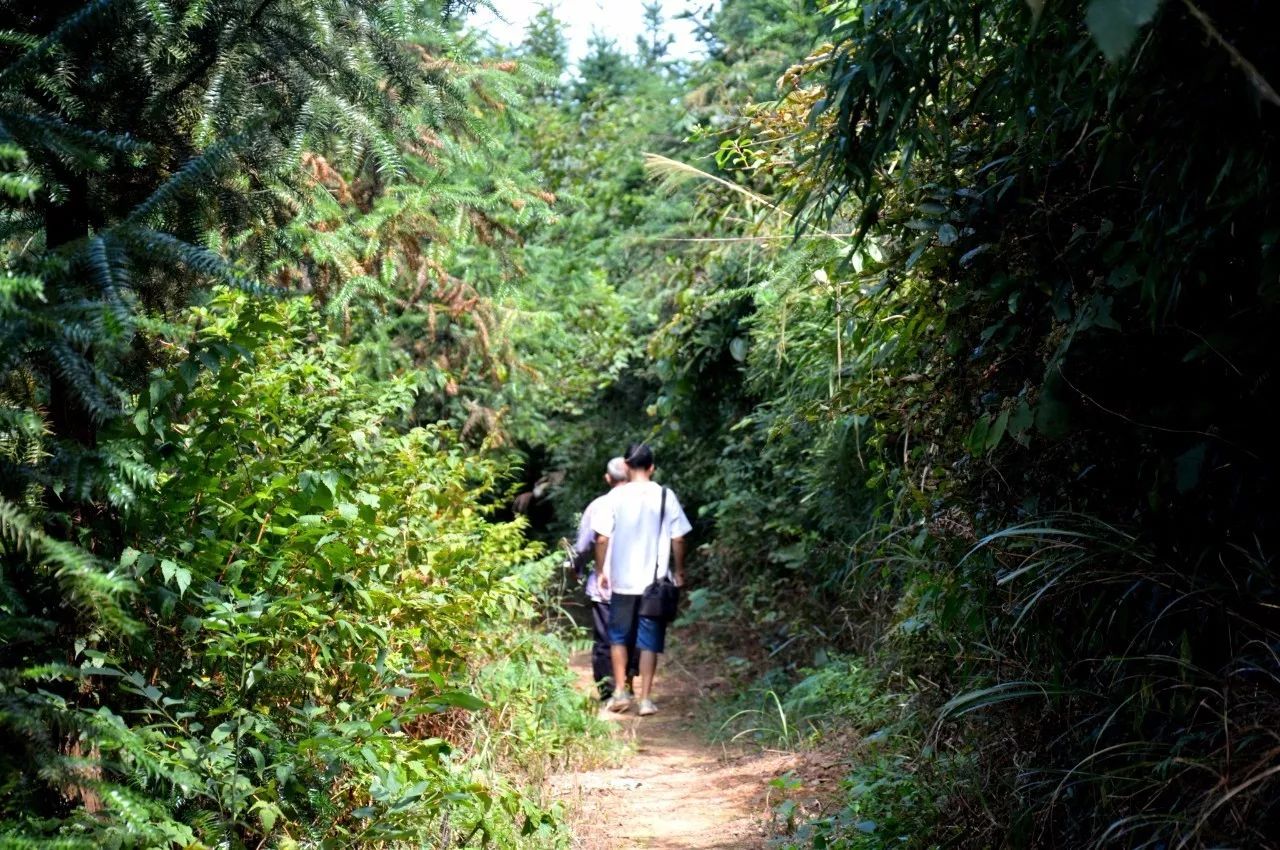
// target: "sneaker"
[[619, 702], [647, 707]]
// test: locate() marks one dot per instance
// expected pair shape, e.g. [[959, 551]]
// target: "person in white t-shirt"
[[636, 538], [584, 551]]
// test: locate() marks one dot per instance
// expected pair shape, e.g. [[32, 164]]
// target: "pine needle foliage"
[[156, 157]]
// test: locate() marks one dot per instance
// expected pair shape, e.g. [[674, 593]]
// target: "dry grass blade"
[[672, 173]]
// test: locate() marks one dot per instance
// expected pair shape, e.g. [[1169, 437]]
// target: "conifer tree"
[[653, 45], [148, 152], [545, 42]]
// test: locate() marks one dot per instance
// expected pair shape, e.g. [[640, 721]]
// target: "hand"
[[680, 578], [602, 582]]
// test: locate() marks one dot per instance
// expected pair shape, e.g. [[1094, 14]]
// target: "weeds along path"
[[673, 789]]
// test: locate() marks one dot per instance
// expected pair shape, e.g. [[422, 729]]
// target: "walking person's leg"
[[623, 624], [601, 654], [633, 666], [621, 698], [651, 638], [648, 667]]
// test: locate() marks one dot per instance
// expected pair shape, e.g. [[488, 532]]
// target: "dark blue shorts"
[[628, 628]]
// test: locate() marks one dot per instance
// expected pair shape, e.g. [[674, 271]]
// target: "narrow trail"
[[674, 790]]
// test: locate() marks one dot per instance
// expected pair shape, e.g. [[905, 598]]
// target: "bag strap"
[[662, 521]]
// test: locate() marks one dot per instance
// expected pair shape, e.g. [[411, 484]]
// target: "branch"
[[1255, 76]]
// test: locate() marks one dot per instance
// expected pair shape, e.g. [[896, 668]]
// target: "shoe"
[[647, 707], [619, 702]]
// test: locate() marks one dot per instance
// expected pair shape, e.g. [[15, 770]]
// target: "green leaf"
[[1020, 422], [1189, 465], [1114, 24], [982, 698], [189, 372], [1052, 411], [977, 440], [459, 699], [330, 479], [1098, 314], [917, 250], [145, 562], [997, 430]]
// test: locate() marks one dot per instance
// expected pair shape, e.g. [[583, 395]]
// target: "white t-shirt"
[[628, 516], [587, 541]]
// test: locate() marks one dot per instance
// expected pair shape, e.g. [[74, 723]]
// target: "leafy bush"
[[321, 591], [244, 601], [887, 805], [842, 691], [992, 418]]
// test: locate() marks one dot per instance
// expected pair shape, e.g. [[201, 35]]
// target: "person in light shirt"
[[584, 550], [640, 529]]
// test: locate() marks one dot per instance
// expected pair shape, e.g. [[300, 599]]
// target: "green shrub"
[[846, 691], [887, 805], [322, 591]]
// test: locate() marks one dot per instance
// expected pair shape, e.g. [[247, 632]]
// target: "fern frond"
[[170, 249], [15, 289], [96, 589], [51, 42], [74, 144], [131, 473], [86, 379], [201, 169], [19, 187], [18, 529]]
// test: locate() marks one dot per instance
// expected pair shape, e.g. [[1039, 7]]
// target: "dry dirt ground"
[[674, 790]]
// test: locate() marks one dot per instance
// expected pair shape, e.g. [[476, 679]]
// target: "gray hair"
[[616, 469]]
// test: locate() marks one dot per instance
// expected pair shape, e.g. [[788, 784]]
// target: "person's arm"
[[677, 554], [582, 560], [584, 544], [583, 549], [680, 526], [602, 550]]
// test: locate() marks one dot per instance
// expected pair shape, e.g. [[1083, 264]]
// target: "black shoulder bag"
[[661, 599]]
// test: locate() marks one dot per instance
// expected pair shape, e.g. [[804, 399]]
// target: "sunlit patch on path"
[[675, 790]]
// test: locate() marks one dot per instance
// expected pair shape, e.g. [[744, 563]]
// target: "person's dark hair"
[[639, 456]]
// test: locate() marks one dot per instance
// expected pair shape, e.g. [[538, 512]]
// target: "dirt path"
[[674, 791]]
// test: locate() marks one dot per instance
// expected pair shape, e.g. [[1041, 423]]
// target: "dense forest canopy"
[[949, 320]]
